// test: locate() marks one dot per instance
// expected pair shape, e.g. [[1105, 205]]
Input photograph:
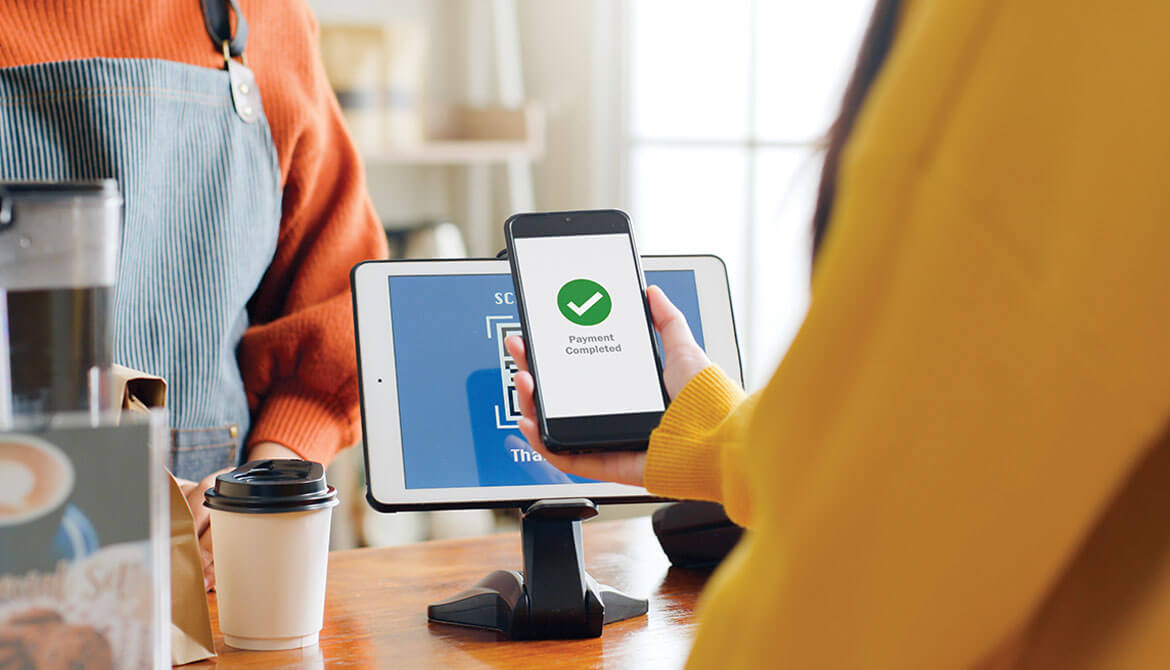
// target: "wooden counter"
[[375, 608]]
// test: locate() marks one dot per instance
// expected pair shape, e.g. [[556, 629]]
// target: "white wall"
[[569, 58]]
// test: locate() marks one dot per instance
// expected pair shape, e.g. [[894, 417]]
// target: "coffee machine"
[[59, 246]]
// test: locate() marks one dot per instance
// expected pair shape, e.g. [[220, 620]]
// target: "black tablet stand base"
[[554, 599]]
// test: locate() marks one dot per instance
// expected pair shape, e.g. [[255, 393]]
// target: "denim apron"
[[201, 185]]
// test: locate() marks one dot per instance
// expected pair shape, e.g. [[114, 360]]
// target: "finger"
[[684, 358], [525, 388], [199, 514], [559, 461], [207, 554], [206, 550], [185, 485], [669, 320], [622, 467], [540, 447], [515, 346], [626, 467], [531, 433]]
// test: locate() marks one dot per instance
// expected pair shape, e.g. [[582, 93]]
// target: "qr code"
[[508, 369]]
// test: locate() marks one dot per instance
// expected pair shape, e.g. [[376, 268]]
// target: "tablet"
[[438, 403]]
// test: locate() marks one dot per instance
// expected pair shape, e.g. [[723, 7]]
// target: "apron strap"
[[218, 21]]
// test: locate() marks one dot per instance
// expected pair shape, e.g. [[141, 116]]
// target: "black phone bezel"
[[607, 432]]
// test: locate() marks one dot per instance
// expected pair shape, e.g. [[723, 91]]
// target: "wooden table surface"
[[376, 600]]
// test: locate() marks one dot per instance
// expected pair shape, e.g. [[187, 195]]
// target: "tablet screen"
[[456, 401]]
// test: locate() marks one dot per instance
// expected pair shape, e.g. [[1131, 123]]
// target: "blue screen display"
[[457, 404]]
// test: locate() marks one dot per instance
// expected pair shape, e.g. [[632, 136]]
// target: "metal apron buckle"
[[245, 93]]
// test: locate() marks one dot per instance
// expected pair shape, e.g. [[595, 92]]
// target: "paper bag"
[[137, 391], [190, 620]]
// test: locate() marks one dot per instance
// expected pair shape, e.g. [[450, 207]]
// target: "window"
[[726, 101]]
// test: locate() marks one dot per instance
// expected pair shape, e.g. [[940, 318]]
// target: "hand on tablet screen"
[[684, 359]]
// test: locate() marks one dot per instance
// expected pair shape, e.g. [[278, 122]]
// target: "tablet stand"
[[554, 598]]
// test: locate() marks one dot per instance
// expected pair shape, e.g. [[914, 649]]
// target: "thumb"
[[684, 357], [669, 321]]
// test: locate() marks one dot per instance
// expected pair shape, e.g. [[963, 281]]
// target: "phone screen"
[[587, 325]]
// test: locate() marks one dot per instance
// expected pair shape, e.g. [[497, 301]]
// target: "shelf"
[[453, 153], [471, 135]]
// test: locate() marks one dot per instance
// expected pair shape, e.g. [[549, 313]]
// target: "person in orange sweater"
[[963, 460], [245, 208]]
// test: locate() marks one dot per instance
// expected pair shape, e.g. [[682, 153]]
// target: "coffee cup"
[[270, 533], [36, 479]]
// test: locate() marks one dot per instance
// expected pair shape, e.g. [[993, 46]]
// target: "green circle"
[[584, 302]]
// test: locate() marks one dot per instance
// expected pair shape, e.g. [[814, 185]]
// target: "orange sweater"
[[297, 359]]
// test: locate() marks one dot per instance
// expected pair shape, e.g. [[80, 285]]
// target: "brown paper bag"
[[136, 390], [191, 638], [190, 621]]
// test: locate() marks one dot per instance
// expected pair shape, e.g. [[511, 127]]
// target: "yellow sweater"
[[963, 460]]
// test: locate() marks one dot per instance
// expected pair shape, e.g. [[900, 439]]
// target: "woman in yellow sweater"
[[963, 460]]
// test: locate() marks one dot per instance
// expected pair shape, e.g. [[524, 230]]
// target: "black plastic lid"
[[272, 486]]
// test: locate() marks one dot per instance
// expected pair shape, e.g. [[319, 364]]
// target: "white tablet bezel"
[[382, 444]]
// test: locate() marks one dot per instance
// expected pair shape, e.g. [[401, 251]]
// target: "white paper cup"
[[271, 548]]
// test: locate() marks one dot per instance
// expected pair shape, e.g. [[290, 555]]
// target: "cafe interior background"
[[701, 118]]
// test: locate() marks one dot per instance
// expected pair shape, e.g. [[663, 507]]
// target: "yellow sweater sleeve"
[[985, 358], [696, 451]]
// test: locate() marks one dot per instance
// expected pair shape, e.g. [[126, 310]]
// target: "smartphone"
[[591, 346]]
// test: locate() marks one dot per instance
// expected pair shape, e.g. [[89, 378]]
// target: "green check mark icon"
[[584, 302]]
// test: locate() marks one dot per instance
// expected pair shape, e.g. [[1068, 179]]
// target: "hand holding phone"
[[591, 347], [684, 359]]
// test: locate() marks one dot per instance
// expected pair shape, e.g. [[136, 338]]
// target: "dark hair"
[[874, 47]]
